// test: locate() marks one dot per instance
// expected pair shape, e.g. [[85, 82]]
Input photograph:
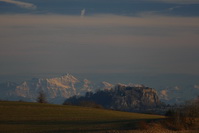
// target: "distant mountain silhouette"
[[121, 97]]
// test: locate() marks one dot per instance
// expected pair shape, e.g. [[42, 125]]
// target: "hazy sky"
[[99, 36]]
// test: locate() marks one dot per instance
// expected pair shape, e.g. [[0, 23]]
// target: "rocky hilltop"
[[134, 97], [122, 97]]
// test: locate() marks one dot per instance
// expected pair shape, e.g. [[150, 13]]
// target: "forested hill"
[[122, 97]]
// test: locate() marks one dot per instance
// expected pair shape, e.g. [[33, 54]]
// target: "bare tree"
[[42, 97]]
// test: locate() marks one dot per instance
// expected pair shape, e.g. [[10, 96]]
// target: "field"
[[21, 117]]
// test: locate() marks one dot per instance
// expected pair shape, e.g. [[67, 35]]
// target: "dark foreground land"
[[21, 117]]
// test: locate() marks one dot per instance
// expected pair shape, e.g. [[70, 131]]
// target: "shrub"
[[185, 117]]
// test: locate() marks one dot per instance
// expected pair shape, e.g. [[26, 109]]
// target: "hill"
[[21, 117], [122, 97]]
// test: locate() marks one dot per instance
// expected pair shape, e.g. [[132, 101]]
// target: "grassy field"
[[21, 117]]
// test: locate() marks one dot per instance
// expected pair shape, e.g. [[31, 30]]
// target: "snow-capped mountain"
[[179, 94], [56, 89], [63, 86]]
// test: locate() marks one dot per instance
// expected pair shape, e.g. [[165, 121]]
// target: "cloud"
[[173, 8], [100, 20], [158, 12], [21, 4], [83, 11]]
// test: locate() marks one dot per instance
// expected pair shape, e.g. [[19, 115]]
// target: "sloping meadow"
[[20, 117]]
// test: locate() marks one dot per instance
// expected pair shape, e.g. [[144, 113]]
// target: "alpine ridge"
[[56, 89]]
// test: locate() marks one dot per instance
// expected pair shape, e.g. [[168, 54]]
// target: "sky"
[[99, 36]]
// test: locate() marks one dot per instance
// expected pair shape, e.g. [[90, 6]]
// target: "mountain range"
[[58, 89]]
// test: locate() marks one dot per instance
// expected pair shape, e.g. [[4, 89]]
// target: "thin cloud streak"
[[83, 11], [21, 4], [99, 20]]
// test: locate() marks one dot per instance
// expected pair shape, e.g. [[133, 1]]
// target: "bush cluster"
[[185, 117]]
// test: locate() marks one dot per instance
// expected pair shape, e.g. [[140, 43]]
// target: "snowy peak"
[[63, 82], [178, 94], [57, 89], [136, 85], [68, 78], [106, 86], [131, 85], [86, 86], [86, 81]]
